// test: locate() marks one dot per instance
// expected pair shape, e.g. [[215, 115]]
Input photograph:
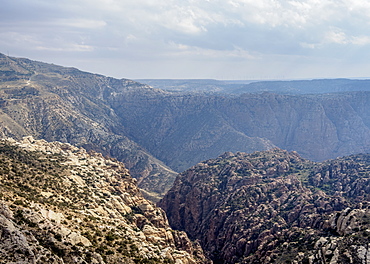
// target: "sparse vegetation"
[[55, 203], [274, 207]]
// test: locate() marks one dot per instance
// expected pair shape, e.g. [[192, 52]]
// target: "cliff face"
[[275, 207], [64, 104], [61, 204], [154, 132], [318, 127], [183, 129]]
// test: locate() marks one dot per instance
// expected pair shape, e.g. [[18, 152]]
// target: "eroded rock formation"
[[62, 204], [275, 207]]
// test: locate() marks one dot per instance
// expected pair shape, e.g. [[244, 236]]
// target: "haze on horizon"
[[218, 39]]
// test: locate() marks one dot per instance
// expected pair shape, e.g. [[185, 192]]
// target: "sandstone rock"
[[273, 206], [99, 218]]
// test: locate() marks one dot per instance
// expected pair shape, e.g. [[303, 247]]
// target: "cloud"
[[193, 52], [67, 47], [80, 23], [361, 40], [336, 36], [187, 31]]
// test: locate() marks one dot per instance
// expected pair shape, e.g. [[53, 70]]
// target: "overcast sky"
[[219, 39]]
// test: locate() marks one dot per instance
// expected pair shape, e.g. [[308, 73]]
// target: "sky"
[[193, 39]]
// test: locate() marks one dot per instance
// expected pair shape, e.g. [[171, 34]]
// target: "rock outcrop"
[[184, 129], [275, 207], [64, 104], [62, 204], [155, 132]]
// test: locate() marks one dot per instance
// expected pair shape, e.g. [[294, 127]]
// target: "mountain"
[[184, 129], [62, 204], [319, 86], [57, 103], [275, 207], [157, 133], [294, 87], [194, 85]]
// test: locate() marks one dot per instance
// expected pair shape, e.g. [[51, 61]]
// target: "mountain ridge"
[[275, 207], [237, 87], [65, 104], [156, 132], [319, 127]]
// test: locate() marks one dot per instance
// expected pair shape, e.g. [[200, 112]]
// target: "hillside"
[[61, 204], [275, 207], [182, 130], [156, 132], [64, 104]]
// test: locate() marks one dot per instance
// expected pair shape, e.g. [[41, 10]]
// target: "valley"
[[157, 133], [245, 172]]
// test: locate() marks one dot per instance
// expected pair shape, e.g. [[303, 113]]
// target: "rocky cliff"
[[184, 129], [64, 104], [155, 132], [62, 204], [275, 207]]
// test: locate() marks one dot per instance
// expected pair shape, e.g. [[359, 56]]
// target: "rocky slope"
[[61, 204], [149, 129], [67, 105], [185, 129], [275, 207]]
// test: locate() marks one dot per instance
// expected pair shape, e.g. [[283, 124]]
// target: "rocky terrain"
[[185, 129], [157, 133], [62, 204], [64, 104], [275, 207]]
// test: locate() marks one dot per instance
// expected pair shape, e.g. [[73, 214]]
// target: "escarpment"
[[275, 207], [157, 133], [63, 104]]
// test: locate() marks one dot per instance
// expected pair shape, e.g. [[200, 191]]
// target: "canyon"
[[275, 207], [158, 133], [242, 172]]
